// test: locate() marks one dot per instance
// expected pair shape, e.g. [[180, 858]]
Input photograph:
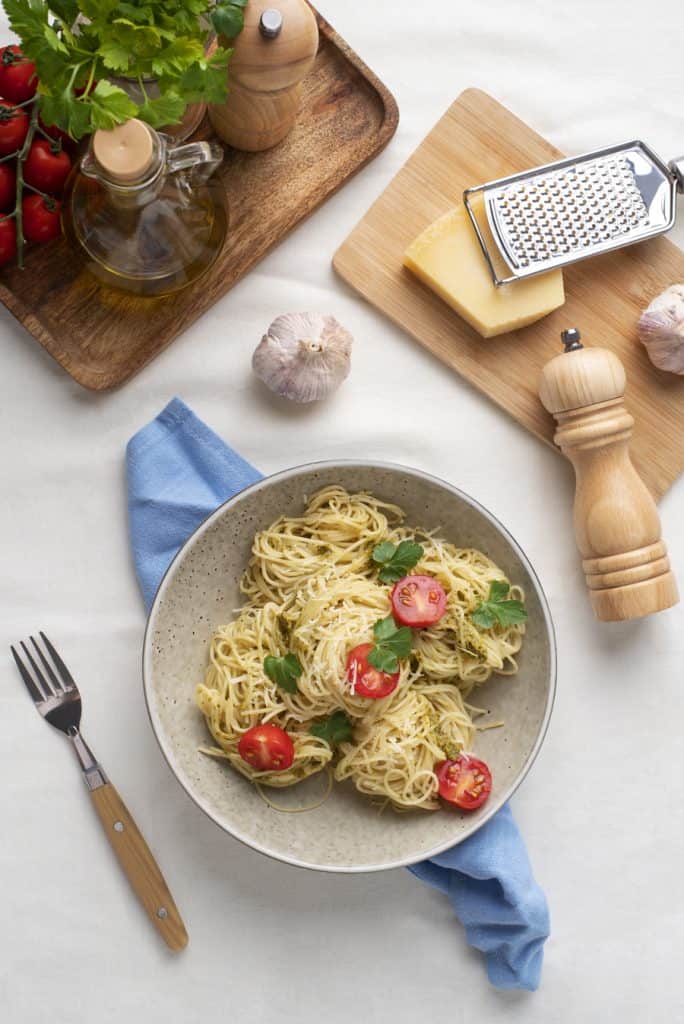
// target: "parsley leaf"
[[392, 642], [497, 609], [336, 728], [396, 559], [284, 672], [163, 40]]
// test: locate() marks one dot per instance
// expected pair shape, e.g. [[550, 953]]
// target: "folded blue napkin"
[[178, 472]]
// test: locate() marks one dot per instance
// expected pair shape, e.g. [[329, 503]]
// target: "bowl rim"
[[299, 470]]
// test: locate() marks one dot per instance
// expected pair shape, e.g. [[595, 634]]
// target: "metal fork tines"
[[56, 697]]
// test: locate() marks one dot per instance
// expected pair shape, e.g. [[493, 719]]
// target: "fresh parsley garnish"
[[81, 47], [396, 559], [498, 608], [392, 642], [284, 672], [336, 728]]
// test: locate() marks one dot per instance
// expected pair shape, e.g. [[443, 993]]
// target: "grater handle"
[[677, 168]]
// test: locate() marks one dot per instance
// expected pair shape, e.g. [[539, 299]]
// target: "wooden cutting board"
[[102, 336], [478, 140]]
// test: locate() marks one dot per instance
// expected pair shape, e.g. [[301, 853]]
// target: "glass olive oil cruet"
[[148, 215]]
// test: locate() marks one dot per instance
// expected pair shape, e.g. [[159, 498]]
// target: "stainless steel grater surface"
[[569, 210]]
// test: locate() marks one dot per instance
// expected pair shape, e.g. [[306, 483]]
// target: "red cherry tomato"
[[18, 80], [365, 680], [8, 186], [41, 218], [418, 601], [466, 781], [46, 168], [267, 748], [14, 126], [8, 239], [56, 133]]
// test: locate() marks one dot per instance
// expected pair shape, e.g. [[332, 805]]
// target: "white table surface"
[[602, 810]]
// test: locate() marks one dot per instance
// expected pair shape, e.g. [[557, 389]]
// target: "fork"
[[58, 700]]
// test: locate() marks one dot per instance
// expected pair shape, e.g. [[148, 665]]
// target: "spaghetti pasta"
[[312, 589]]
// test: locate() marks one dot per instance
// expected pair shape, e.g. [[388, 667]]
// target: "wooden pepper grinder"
[[616, 521], [271, 56]]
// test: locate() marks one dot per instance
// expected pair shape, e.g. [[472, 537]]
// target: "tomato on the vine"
[[41, 218], [14, 126], [8, 186], [47, 166], [18, 80], [8, 239], [56, 133]]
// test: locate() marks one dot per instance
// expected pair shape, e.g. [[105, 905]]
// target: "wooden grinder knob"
[[616, 521], [274, 51]]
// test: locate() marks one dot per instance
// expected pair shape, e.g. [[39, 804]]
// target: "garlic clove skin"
[[303, 356], [661, 330]]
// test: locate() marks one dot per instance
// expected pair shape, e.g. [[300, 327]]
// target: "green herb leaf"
[[284, 672], [336, 728], [392, 642], [497, 609], [163, 110], [227, 19], [162, 39], [396, 559], [110, 105]]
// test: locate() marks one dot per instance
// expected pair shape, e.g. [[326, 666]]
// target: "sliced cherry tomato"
[[41, 218], [18, 80], [466, 781], [8, 186], [365, 680], [8, 239], [14, 126], [418, 601], [267, 748], [47, 166]]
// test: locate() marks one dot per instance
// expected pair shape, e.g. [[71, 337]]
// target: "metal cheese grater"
[[569, 210]]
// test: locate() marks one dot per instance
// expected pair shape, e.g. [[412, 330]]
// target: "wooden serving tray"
[[476, 141], [102, 336]]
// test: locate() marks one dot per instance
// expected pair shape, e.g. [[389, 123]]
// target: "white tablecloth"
[[603, 809]]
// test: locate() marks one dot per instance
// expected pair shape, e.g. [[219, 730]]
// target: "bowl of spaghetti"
[[350, 666]]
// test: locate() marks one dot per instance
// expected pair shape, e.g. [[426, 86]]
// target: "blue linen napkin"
[[179, 471]]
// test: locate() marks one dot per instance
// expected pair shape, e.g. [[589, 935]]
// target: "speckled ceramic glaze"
[[346, 833]]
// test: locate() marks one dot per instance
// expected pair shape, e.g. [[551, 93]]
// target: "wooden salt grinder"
[[616, 521], [271, 56]]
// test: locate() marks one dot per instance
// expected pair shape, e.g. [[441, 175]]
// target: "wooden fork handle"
[[135, 857]]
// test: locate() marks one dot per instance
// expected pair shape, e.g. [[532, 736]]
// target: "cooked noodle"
[[312, 589]]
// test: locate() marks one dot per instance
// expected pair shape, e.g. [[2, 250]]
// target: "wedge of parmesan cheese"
[[447, 258]]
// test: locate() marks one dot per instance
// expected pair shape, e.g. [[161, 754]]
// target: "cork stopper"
[[125, 153], [580, 377]]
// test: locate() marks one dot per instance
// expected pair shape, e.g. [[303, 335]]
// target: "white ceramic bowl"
[[347, 832]]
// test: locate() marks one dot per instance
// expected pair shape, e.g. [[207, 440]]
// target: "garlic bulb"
[[303, 356], [661, 329]]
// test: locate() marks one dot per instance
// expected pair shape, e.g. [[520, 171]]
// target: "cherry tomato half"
[[365, 680], [47, 166], [8, 186], [18, 80], [466, 781], [267, 748], [14, 126], [418, 601], [41, 218], [8, 239]]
